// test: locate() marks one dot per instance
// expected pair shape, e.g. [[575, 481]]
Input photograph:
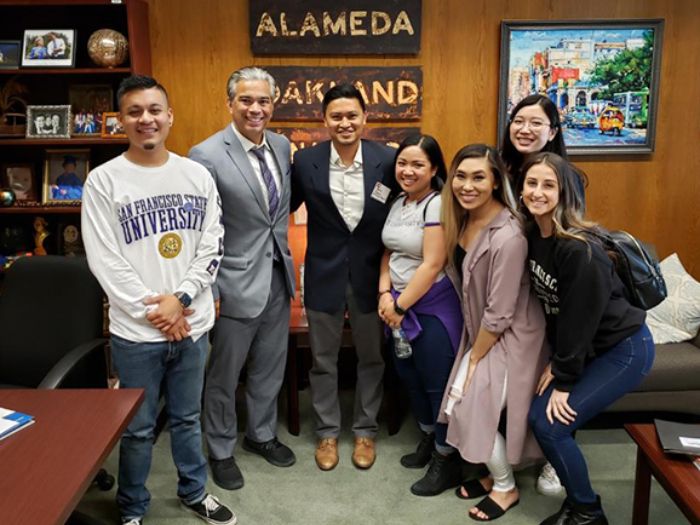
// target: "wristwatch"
[[398, 309], [184, 298]]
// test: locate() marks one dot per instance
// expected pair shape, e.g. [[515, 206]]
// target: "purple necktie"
[[268, 178]]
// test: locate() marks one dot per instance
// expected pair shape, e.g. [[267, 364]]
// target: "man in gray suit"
[[251, 167]]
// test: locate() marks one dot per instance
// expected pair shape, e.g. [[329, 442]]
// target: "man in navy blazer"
[[346, 184], [251, 167]]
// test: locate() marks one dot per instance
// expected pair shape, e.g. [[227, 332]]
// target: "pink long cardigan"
[[496, 295]]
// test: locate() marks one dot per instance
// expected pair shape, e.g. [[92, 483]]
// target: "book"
[[678, 438], [11, 422]]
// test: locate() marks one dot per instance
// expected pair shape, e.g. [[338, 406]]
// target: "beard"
[[149, 146]]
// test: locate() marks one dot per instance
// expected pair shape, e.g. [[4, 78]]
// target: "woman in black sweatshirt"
[[601, 345]]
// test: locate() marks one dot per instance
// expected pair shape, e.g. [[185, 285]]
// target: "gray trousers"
[[325, 334], [261, 343]]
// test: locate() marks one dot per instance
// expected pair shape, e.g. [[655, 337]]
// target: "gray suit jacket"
[[243, 283]]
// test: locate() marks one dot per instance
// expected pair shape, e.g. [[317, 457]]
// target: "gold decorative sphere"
[[108, 48]]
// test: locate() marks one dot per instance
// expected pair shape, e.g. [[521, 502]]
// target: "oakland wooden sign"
[[345, 27], [306, 137], [390, 93]]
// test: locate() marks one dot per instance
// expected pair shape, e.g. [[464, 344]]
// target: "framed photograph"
[[70, 241], [20, 179], [603, 75], [44, 122], [9, 54], [111, 127], [65, 171], [88, 102], [48, 48]]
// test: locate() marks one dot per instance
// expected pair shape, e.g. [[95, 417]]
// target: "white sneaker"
[[548, 483]]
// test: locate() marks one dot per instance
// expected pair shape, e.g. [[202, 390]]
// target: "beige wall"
[[196, 45]]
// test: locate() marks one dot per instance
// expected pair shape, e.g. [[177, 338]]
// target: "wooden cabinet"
[[51, 86]]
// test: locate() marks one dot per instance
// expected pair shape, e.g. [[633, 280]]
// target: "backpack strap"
[[430, 198]]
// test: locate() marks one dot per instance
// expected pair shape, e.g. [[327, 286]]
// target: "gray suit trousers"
[[261, 343], [325, 334]]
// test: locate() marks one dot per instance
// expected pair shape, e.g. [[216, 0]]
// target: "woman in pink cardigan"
[[503, 349]]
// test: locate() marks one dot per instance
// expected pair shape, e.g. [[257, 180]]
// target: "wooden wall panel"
[[196, 45]]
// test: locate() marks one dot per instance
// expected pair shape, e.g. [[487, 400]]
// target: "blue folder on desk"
[[11, 422]]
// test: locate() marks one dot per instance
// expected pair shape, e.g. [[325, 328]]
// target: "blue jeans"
[[179, 366], [426, 372], [605, 379]]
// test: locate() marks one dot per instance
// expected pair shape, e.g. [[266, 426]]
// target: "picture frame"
[[9, 54], [48, 48], [65, 172], [19, 177], [577, 64], [111, 127], [48, 122], [70, 240], [88, 103]]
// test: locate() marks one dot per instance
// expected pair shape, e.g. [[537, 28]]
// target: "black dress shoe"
[[226, 473], [273, 451]]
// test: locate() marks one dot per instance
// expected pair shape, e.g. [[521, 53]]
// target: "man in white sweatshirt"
[[153, 237]]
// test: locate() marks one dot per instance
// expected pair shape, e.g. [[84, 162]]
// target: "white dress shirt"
[[347, 186], [248, 146]]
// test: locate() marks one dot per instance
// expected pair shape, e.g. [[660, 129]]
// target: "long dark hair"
[[453, 216], [432, 150], [512, 157], [568, 217]]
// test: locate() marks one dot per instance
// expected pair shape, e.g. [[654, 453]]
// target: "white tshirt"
[[153, 231], [403, 236]]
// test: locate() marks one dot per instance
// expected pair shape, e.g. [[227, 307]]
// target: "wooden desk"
[[679, 478], [299, 331], [46, 468]]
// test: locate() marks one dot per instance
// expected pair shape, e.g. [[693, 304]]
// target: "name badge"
[[380, 192]]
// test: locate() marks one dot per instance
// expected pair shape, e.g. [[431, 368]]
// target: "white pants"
[[501, 471]]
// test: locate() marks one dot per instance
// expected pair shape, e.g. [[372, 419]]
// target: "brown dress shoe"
[[363, 456], [327, 453]]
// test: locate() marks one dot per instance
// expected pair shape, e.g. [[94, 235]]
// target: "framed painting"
[[65, 172], [603, 76]]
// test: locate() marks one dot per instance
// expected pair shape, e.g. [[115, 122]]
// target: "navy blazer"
[[334, 254]]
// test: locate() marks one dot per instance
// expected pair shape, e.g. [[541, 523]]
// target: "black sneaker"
[[444, 473], [273, 451], [421, 457], [132, 521], [211, 511], [226, 473]]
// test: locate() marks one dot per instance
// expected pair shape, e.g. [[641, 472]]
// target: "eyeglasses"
[[534, 125]]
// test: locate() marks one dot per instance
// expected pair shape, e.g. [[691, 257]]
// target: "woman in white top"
[[420, 306]]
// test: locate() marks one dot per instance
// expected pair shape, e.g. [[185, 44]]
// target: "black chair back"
[[48, 306]]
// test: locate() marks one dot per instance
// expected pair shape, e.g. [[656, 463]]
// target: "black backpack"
[[638, 270]]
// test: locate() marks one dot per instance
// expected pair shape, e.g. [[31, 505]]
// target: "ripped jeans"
[[604, 380]]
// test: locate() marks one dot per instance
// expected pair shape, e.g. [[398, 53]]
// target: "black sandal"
[[492, 509], [473, 487]]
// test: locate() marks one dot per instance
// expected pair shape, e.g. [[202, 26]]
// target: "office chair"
[[51, 328]]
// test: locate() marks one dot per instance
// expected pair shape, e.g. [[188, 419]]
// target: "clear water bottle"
[[402, 346]]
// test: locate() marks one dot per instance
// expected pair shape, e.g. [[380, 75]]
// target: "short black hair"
[[342, 91], [135, 83]]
